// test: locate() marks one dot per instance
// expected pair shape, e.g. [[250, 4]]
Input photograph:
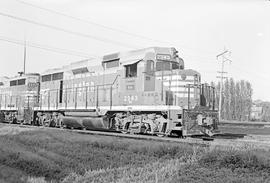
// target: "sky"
[[199, 30]]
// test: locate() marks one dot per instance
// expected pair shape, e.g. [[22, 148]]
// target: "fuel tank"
[[89, 123]]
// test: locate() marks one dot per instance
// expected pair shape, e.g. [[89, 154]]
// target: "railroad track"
[[244, 123], [222, 140], [258, 142], [116, 134]]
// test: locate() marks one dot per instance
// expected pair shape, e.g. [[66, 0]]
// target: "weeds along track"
[[11, 127], [256, 141]]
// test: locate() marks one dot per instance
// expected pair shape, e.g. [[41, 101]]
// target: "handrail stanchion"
[[86, 97]]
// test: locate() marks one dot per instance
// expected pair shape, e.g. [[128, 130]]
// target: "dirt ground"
[[258, 137], [249, 141]]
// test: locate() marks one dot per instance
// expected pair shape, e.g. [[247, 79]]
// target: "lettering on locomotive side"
[[130, 81]]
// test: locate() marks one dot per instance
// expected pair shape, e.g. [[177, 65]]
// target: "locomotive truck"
[[146, 91]]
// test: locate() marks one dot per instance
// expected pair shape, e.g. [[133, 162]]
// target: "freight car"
[[141, 91]]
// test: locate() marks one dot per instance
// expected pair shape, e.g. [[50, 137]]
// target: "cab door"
[[149, 76]]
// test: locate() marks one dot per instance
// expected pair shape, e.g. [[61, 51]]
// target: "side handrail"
[[115, 79]]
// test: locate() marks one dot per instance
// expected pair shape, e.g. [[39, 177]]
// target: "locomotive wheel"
[[63, 127], [52, 123], [60, 123], [178, 134], [124, 131], [125, 128], [160, 135]]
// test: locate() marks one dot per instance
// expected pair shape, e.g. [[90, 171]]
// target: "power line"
[[253, 73], [47, 48], [250, 71], [224, 59], [86, 21], [99, 25], [65, 30], [24, 56]]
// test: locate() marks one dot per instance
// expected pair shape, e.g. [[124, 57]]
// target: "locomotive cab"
[[19, 97]]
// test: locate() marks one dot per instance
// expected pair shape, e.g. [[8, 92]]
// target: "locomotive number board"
[[163, 57]]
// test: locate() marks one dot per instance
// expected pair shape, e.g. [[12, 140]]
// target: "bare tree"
[[232, 100], [236, 100], [226, 104], [249, 99]]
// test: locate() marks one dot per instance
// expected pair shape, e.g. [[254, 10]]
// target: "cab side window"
[[149, 67], [131, 70]]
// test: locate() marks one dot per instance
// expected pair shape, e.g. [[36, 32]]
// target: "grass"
[[62, 156], [55, 154], [230, 165]]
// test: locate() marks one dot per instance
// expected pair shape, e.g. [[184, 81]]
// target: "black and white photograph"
[[134, 91]]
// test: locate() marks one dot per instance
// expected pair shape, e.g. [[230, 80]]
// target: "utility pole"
[[224, 59], [24, 57]]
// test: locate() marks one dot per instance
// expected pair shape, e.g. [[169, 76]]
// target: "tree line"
[[236, 99]]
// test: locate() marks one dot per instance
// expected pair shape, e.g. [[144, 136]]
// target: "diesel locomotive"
[[146, 91]]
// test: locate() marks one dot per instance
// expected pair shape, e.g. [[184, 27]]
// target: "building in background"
[[256, 112], [260, 111]]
